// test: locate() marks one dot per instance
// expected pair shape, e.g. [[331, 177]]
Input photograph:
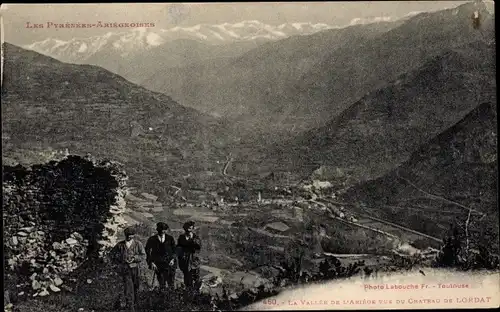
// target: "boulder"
[[278, 226], [27, 229], [54, 288], [321, 184], [212, 280], [77, 236], [71, 241], [36, 285], [58, 281], [44, 293]]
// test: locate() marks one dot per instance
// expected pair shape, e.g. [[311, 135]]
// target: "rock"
[[278, 226], [58, 281], [33, 276], [89, 281], [71, 241], [321, 184], [233, 296], [77, 236], [212, 280], [44, 293], [27, 229], [23, 234], [45, 271], [21, 293], [54, 288], [57, 246], [35, 285], [15, 241], [81, 309], [115, 211]]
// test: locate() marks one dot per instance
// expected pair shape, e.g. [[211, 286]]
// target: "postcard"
[[249, 156]]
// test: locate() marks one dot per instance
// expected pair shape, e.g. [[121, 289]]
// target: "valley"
[[304, 153]]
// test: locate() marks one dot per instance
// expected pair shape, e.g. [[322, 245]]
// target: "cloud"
[[413, 13], [369, 20]]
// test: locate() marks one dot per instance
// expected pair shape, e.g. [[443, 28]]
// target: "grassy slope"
[[50, 104], [459, 164], [381, 130]]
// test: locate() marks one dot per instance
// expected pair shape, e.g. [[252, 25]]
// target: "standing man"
[[188, 249], [127, 255], [160, 256]]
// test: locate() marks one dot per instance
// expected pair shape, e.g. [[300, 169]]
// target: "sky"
[[167, 15]]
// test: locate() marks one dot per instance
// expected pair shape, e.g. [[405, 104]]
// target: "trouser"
[[131, 287], [191, 278], [165, 275]]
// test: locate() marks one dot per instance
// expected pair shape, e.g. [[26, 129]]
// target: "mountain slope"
[[303, 81], [344, 76], [47, 103], [182, 52], [459, 164], [257, 82], [381, 130]]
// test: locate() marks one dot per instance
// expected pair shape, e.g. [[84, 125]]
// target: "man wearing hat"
[[188, 249], [160, 251], [127, 255]]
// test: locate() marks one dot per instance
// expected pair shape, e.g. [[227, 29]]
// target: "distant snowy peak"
[[140, 39], [242, 31]]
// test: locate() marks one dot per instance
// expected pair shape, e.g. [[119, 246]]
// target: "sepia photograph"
[[249, 156]]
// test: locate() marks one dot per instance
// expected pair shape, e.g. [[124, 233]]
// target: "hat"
[[129, 231], [187, 225], [160, 226]]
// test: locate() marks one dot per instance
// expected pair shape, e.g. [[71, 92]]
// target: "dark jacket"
[[120, 253], [158, 252], [188, 252]]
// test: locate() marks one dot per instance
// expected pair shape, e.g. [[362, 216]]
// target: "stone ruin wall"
[[57, 215]]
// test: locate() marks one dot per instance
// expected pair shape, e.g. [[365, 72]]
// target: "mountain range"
[[142, 39], [176, 46], [303, 81]]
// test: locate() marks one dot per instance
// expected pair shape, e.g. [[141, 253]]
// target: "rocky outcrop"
[[57, 215]]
